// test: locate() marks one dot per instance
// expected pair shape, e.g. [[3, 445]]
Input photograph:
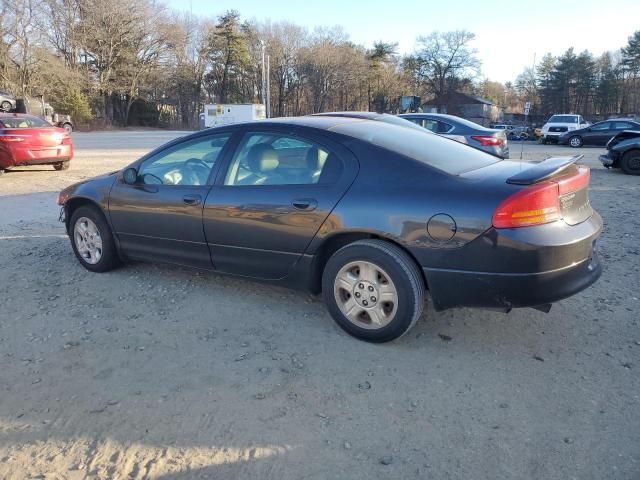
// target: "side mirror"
[[130, 176]]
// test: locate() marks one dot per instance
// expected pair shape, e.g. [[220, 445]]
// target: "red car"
[[29, 140]]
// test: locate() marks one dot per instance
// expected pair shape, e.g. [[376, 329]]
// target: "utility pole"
[[264, 76], [268, 106]]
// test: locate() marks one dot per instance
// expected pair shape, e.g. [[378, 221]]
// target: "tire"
[[62, 166], [576, 141], [68, 127], [368, 269], [630, 162], [108, 256], [6, 106]]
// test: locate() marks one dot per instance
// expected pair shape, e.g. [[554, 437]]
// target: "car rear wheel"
[[61, 166], [67, 127], [6, 106], [630, 163], [92, 240], [575, 141], [373, 290]]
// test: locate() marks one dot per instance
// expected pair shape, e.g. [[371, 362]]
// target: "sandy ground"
[[157, 372]]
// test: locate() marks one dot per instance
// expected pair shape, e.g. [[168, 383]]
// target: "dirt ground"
[[163, 373]]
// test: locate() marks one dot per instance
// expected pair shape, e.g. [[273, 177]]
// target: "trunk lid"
[[37, 138]]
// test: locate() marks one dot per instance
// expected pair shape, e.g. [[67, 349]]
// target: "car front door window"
[[600, 127], [188, 164]]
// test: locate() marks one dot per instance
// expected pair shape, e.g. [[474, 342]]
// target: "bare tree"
[[442, 59]]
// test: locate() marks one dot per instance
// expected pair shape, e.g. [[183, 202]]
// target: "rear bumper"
[[524, 267], [500, 291]]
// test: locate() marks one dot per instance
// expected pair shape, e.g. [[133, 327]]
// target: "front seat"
[[262, 160]]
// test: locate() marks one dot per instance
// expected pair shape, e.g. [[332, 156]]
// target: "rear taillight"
[[575, 182], [12, 138], [488, 141], [539, 203]]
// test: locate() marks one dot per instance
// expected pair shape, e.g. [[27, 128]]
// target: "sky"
[[508, 33]]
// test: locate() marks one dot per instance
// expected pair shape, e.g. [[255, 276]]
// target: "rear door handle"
[[192, 199], [306, 204]]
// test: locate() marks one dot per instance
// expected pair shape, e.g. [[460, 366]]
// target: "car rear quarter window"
[[442, 153]]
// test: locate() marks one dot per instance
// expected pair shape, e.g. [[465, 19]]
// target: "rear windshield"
[[23, 122], [563, 119], [442, 153]]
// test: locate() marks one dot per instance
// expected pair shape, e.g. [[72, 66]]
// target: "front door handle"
[[192, 199], [305, 204]]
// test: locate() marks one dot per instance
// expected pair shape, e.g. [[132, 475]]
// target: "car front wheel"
[[92, 240], [575, 141], [630, 163], [373, 290]]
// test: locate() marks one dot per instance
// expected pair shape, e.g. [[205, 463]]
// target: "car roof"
[[457, 121], [367, 115]]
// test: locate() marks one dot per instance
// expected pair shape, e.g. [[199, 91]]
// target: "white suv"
[[559, 124]]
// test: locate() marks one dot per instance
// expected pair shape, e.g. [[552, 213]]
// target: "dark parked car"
[[368, 213], [598, 133], [623, 151], [493, 141]]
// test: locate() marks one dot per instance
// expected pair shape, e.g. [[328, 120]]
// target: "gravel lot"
[[157, 372]]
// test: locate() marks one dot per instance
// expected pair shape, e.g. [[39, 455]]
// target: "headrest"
[[262, 158], [313, 159]]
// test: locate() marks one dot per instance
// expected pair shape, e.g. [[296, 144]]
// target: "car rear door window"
[[187, 163], [623, 126], [269, 158]]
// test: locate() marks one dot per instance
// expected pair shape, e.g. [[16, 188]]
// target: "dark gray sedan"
[[492, 141], [368, 213], [597, 134]]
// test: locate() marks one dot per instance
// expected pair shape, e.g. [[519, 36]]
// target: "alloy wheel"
[[88, 241], [366, 295]]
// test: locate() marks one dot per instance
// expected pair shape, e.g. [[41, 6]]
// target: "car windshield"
[[23, 122], [447, 155], [563, 119]]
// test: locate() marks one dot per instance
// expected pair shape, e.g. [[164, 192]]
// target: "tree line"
[[136, 62]]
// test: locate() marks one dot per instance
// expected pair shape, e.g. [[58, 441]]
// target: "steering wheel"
[[196, 172]]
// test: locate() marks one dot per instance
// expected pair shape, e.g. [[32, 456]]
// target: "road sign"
[[527, 106], [526, 110]]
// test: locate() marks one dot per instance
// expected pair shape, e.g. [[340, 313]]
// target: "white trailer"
[[220, 114]]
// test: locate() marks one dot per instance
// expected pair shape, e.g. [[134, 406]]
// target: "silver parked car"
[[488, 140], [7, 101]]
